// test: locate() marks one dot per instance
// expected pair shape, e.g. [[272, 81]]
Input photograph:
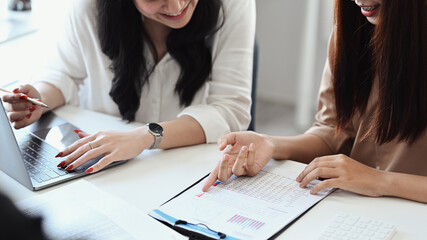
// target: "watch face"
[[155, 128]]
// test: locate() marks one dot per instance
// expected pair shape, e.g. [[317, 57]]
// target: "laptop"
[[28, 154]]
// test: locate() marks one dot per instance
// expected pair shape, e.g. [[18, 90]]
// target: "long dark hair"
[[121, 33], [395, 51]]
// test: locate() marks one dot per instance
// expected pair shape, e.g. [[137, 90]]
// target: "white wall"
[[22, 57], [280, 33]]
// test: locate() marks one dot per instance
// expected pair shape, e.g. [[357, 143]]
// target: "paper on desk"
[[244, 207], [83, 211]]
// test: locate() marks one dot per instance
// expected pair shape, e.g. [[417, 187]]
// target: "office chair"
[[254, 86]]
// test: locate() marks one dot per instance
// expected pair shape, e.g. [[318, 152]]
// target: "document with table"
[[256, 207]]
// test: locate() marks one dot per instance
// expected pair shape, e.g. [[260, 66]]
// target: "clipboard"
[[210, 215], [193, 231]]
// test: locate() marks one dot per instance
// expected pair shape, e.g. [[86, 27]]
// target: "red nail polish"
[[33, 108], [16, 90], [89, 170], [61, 164], [29, 115], [69, 168], [23, 97], [39, 100], [76, 131], [60, 154]]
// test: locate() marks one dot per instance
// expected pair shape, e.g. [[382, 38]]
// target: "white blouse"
[[81, 71]]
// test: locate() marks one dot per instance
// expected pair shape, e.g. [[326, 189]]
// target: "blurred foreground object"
[[20, 5]]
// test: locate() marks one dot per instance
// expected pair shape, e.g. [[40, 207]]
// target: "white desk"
[[162, 174]]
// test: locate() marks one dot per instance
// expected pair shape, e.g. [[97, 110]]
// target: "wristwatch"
[[157, 131]]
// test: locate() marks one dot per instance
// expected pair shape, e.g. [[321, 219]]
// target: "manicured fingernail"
[[89, 170], [60, 154], [16, 90], [29, 115], [33, 108], [76, 131], [23, 97], [69, 168], [61, 164]]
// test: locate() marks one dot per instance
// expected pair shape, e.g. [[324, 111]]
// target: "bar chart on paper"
[[245, 222]]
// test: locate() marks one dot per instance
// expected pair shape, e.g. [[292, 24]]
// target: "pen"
[[32, 100]]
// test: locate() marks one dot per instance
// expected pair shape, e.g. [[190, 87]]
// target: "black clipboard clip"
[[220, 234]]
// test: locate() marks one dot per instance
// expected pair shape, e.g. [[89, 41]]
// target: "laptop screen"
[[10, 154]]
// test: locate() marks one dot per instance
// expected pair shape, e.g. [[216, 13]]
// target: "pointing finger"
[[213, 176]]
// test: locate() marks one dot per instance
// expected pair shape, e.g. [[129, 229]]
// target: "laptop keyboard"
[[40, 161]]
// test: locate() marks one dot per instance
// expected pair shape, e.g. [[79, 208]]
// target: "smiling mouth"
[[175, 14], [369, 8]]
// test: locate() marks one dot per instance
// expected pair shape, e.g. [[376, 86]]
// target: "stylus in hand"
[[32, 100]]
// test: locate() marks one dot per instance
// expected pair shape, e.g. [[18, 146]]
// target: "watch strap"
[[156, 143]]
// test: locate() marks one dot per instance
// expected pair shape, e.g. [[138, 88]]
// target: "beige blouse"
[[393, 156]]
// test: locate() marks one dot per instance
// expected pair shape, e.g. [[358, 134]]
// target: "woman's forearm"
[[409, 186], [50, 95], [183, 131], [302, 148]]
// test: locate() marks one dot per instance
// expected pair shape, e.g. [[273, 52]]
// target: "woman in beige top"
[[370, 135]]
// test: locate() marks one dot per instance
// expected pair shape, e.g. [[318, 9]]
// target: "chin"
[[373, 20], [177, 26]]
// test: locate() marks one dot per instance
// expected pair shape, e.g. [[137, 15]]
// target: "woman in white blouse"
[[185, 66]]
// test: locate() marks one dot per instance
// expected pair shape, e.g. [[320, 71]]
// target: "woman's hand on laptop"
[[245, 153], [21, 112], [113, 145]]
